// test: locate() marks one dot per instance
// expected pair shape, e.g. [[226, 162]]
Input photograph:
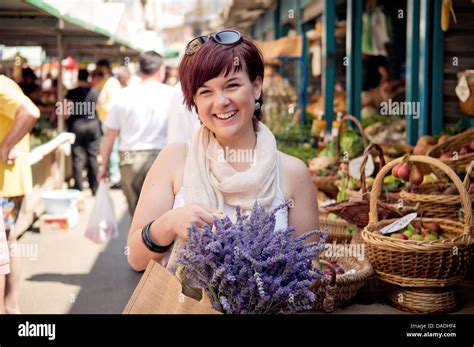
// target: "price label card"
[[354, 167], [399, 224], [462, 89]]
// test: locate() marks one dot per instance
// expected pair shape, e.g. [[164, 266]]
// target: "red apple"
[[464, 150], [404, 172], [433, 226], [425, 232], [445, 156], [401, 237], [416, 237], [395, 170], [471, 146]]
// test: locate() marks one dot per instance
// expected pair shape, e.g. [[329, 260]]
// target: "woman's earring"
[[257, 106]]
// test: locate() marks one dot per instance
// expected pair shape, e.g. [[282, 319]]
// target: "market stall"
[[64, 39], [46, 173]]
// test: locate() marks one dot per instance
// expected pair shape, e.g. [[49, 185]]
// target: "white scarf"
[[212, 181]]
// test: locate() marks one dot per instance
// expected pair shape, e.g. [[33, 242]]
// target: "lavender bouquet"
[[247, 267]]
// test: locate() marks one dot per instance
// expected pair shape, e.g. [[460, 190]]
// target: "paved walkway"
[[71, 274]]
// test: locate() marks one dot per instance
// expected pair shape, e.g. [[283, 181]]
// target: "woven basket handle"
[[361, 129], [364, 164], [467, 178], [377, 187]]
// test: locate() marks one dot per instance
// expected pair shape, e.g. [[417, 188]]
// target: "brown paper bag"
[[160, 292]]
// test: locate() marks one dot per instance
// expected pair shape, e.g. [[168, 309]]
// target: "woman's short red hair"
[[214, 59]]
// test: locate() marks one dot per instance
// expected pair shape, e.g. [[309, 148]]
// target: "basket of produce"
[[345, 277], [437, 200], [355, 209], [325, 167], [325, 182], [456, 152], [418, 252], [339, 230]]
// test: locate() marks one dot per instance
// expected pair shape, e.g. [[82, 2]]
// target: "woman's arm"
[[304, 213], [156, 204], [156, 198]]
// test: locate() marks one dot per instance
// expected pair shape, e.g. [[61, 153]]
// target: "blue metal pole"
[[329, 53], [424, 73], [304, 72], [354, 57], [412, 66], [437, 71], [276, 21]]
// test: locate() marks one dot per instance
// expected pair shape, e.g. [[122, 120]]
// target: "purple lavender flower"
[[249, 267]]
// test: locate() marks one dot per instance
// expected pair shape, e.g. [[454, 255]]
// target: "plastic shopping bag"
[[4, 252], [102, 225]]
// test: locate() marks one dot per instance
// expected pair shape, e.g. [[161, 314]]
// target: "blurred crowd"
[[122, 116]]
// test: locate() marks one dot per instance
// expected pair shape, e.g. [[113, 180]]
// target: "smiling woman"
[[239, 65], [221, 77]]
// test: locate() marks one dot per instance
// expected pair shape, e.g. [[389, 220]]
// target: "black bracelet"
[[150, 244]]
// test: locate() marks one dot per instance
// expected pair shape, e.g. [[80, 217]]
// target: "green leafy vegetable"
[[351, 142]]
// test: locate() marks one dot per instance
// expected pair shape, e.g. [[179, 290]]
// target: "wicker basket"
[[438, 205], [467, 107], [340, 289], [410, 263], [355, 210], [336, 230], [423, 300], [454, 143], [357, 237], [325, 184]]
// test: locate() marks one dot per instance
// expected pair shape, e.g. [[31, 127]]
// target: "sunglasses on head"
[[224, 37]]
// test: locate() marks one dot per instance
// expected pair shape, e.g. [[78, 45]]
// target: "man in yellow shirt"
[[18, 115], [109, 87]]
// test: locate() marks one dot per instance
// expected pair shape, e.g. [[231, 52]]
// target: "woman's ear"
[[257, 87]]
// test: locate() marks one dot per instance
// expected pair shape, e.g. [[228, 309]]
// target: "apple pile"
[[411, 174], [427, 232], [448, 155]]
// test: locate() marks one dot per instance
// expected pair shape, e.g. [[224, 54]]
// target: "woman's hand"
[[180, 219]]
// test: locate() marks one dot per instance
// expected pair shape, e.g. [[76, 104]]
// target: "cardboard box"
[[160, 292]]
